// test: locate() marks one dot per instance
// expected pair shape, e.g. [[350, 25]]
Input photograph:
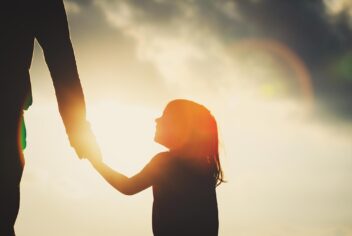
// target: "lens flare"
[[287, 55]]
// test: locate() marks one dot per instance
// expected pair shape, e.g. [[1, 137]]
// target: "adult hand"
[[84, 142]]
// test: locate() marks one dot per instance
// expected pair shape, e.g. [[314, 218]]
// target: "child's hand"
[[84, 142]]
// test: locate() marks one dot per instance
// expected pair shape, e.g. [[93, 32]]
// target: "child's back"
[[184, 197]]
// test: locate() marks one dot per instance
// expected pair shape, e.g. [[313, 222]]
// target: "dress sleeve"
[[156, 168], [150, 174]]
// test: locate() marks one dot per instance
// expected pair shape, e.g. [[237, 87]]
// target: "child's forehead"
[[177, 107]]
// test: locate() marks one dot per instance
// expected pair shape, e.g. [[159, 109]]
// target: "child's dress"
[[184, 197]]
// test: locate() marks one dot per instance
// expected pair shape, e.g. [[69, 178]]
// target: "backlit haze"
[[275, 74]]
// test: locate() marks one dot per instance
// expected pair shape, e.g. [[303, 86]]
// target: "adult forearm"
[[67, 85], [72, 106]]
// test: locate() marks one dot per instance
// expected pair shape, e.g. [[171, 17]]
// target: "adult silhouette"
[[21, 22]]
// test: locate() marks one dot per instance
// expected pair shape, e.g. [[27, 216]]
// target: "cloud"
[[72, 7], [339, 7], [107, 59], [189, 40], [320, 40]]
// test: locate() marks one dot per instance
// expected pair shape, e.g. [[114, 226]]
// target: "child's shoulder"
[[162, 156]]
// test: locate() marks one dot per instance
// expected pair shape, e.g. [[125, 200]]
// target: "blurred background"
[[277, 75]]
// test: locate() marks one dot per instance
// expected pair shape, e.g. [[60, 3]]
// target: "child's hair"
[[202, 140]]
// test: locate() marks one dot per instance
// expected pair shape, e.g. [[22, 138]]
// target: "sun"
[[125, 133]]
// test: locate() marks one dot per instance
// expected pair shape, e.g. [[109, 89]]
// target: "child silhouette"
[[184, 178]]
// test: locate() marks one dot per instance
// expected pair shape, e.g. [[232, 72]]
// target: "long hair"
[[202, 141]]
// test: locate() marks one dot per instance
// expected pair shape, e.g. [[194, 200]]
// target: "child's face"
[[171, 128]]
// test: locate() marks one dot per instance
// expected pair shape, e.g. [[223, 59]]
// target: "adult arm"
[[52, 33]]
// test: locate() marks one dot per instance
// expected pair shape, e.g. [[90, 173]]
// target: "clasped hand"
[[84, 143]]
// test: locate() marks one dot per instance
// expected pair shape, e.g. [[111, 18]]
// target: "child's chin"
[[156, 139], [159, 141]]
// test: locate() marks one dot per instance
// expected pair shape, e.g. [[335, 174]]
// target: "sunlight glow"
[[125, 133]]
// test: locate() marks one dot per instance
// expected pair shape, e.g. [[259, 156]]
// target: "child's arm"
[[120, 182]]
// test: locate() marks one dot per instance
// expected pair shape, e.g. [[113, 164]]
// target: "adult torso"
[[17, 19]]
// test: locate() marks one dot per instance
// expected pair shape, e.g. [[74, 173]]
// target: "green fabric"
[[23, 135]]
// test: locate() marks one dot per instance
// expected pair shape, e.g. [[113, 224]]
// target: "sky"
[[276, 75]]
